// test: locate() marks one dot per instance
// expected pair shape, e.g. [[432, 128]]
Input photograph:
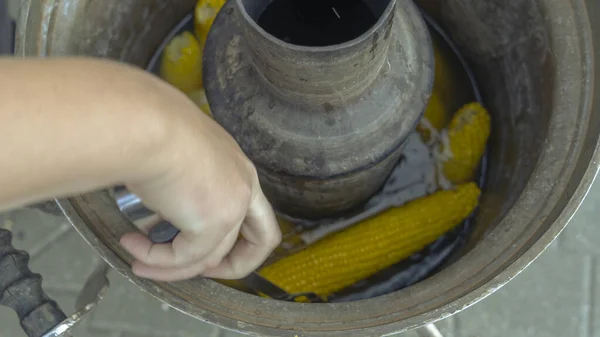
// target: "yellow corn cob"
[[360, 251], [182, 63], [199, 97], [436, 114], [443, 83], [464, 143], [435, 118], [204, 16]]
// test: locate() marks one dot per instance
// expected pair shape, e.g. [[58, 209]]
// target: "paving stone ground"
[[555, 297]]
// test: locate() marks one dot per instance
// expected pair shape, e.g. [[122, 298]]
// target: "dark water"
[[317, 23]]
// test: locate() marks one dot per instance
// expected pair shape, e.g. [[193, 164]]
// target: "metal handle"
[[132, 207], [93, 291], [21, 290]]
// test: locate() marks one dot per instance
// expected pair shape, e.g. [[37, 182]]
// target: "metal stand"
[[430, 330], [93, 291]]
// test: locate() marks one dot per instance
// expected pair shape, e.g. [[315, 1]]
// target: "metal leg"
[[93, 291], [429, 330]]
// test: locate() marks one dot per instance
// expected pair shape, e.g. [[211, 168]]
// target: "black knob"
[[21, 290]]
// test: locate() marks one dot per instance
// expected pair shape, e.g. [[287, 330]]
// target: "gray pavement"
[[555, 297]]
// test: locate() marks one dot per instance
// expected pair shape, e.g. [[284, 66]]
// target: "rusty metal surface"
[[325, 126], [535, 61]]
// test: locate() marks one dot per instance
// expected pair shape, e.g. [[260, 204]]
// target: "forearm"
[[70, 126]]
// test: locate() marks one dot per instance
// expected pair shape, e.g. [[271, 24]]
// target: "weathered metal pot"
[[535, 62], [324, 125]]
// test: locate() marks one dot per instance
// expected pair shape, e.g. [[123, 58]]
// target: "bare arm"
[[71, 126], [74, 125]]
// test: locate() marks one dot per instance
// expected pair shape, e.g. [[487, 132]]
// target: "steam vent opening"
[[318, 23]]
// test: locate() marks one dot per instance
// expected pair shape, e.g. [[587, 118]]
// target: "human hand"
[[105, 123], [205, 186]]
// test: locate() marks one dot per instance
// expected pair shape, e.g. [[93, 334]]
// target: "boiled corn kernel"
[[354, 254], [463, 143], [182, 63], [204, 16]]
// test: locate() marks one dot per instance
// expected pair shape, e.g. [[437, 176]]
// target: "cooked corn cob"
[[444, 82], [462, 145], [182, 63], [204, 16], [434, 119], [437, 115], [358, 252], [199, 97]]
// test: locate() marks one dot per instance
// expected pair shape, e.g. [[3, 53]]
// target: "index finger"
[[260, 236]]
